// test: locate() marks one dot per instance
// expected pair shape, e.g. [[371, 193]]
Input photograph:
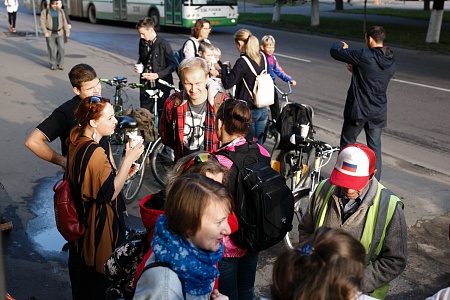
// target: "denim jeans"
[[259, 121], [237, 276], [350, 132], [55, 47]]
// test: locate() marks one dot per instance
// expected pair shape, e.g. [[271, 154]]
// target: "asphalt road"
[[416, 148]]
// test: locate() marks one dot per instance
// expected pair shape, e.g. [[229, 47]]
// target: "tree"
[[434, 27]]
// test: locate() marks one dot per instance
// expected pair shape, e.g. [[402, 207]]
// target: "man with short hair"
[[366, 104], [353, 200], [85, 84], [187, 120], [156, 55]]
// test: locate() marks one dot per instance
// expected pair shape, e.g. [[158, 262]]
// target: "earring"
[[94, 135]]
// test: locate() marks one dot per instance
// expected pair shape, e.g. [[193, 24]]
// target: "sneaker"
[[53, 68], [10, 28], [61, 67], [13, 29]]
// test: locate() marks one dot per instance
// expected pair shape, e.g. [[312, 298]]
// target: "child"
[[217, 54], [206, 51], [267, 46]]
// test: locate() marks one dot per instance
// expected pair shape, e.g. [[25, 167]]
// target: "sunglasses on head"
[[200, 158]]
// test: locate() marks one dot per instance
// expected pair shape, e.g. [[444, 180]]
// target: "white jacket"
[[12, 5]]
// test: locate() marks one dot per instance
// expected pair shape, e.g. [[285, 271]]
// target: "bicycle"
[[323, 153], [128, 126]]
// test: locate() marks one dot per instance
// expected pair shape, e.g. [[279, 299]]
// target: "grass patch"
[[402, 13], [412, 36]]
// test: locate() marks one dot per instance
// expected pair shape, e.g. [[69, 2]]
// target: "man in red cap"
[[353, 200]]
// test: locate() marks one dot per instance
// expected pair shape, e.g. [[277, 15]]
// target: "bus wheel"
[[154, 15], [43, 5], [91, 14]]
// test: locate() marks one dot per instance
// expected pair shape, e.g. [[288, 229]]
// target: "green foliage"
[[412, 36], [402, 13]]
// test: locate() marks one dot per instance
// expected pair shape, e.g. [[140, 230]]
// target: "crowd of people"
[[353, 238]]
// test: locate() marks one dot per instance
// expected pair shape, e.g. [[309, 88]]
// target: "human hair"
[[212, 165], [193, 64], [251, 44], [203, 46], [187, 199], [217, 51], [235, 115], [267, 40], [86, 111], [81, 73], [377, 33], [145, 22], [195, 31], [328, 266]]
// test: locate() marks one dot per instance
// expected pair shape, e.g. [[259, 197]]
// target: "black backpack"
[[264, 205], [178, 56], [292, 116]]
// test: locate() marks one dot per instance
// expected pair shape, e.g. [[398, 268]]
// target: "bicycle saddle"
[[126, 122]]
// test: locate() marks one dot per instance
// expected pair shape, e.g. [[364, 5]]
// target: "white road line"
[[422, 85], [295, 58]]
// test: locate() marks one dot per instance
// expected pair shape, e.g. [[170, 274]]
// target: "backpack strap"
[[253, 70]]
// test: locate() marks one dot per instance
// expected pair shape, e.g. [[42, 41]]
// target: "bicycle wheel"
[[300, 206], [133, 185], [162, 159]]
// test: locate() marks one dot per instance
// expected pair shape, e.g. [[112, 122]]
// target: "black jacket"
[[161, 61], [239, 72], [366, 97]]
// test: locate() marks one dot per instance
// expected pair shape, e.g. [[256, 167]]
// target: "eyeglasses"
[[209, 28], [200, 158]]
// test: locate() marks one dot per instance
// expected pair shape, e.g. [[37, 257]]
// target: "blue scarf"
[[195, 268]]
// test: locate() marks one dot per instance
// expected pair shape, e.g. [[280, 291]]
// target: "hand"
[[47, 34], [350, 68], [134, 153], [344, 45], [150, 76], [214, 73], [293, 82], [218, 296], [133, 170], [67, 35]]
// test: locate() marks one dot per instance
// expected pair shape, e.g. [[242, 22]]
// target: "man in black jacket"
[[157, 57], [366, 104]]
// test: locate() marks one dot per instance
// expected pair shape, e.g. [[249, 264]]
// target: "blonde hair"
[[267, 40], [251, 44], [193, 64], [217, 51]]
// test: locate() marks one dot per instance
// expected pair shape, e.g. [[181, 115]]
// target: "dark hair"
[[377, 33], [81, 73], [195, 31], [235, 115], [85, 112], [212, 166], [329, 266], [187, 199], [145, 22]]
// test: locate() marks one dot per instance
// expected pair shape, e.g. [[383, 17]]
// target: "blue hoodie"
[[366, 97]]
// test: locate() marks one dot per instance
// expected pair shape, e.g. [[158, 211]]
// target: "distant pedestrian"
[[366, 104], [11, 7], [55, 27], [268, 48]]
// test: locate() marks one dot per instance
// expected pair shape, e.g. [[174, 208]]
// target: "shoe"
[[53, 68], [10, 28], [13, 29], [61, 67]]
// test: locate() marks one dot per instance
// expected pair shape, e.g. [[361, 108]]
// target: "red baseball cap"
[[355, 164]]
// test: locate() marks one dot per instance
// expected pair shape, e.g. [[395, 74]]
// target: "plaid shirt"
[[171, 125]]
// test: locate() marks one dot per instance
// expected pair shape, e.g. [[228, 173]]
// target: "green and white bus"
[[178, 13]]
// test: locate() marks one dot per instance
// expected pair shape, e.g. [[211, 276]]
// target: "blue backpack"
[[178, 56]]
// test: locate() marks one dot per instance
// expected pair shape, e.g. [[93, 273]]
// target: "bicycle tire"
[[133, 185], [161, 161], [291, 240]]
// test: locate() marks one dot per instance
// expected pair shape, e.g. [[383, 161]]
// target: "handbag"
[[66, 215]]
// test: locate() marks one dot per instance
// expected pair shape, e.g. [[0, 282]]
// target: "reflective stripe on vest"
[[379, 216]]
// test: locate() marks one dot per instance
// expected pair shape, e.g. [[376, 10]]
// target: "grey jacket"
[[393, 256], [47, 22]]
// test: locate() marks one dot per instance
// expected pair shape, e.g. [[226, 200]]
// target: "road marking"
[[422, 85], [291, 57]]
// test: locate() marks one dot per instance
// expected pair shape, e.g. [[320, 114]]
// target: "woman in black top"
[[247, 45]]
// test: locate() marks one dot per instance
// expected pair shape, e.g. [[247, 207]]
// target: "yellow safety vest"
[[378, 218]]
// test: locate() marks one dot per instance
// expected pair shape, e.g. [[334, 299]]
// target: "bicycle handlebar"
[[120, 81], [298, 140], [283, 93]]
